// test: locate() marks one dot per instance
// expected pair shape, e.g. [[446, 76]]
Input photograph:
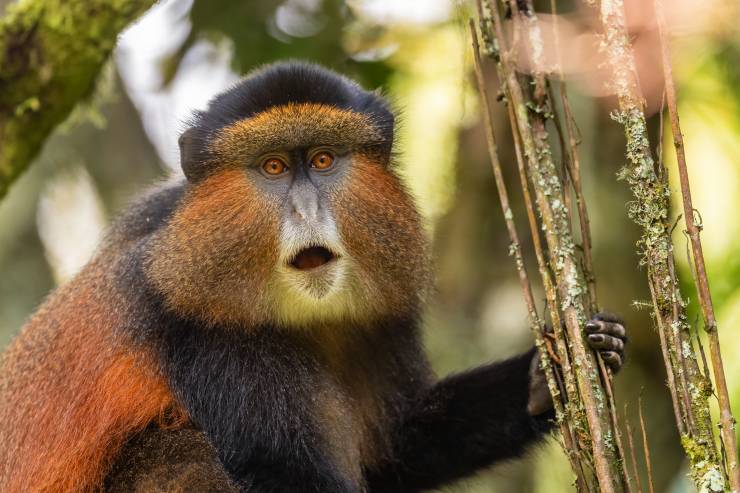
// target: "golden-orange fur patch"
[[71, 393], [293, 126]]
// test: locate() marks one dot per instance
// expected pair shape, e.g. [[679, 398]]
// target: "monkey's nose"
[[305, 205]]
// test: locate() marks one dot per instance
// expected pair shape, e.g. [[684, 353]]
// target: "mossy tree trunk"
[[51, 52]]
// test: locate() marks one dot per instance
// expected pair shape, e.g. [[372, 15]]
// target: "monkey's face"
[[300, 222]]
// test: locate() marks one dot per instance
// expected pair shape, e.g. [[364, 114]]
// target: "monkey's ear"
[[189, 154]]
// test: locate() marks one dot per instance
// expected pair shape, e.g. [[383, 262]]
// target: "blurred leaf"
[[256, 37]]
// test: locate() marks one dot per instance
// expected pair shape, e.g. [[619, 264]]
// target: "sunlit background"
[[183, 52]]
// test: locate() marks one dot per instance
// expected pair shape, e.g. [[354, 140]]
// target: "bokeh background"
[[183, 52]]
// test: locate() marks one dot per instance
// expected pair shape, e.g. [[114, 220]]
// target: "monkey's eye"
[[322, 160], [274, 166]]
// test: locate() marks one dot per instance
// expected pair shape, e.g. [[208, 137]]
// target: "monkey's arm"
[[471, 420], [462, 424]]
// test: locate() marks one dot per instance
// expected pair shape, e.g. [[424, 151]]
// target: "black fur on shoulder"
[[147, 214], [280, 84]]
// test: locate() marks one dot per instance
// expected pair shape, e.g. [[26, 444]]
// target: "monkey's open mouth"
[[312, 257]]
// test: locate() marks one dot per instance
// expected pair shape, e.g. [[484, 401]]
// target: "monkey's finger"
[[601, 327], [612, 359], [605, 342]]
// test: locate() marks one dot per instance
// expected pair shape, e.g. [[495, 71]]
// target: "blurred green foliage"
[[250, 28]]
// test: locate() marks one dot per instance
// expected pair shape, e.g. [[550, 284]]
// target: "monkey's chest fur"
[[336, 409], [334, 391]]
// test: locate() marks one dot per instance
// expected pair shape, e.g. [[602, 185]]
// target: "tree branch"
[[51, 52], [727, 429]]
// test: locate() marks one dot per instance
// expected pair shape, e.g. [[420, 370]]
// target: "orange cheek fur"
[[214, 259], [382, 230]]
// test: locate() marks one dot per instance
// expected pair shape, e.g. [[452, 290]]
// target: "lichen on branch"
[[690, 389]]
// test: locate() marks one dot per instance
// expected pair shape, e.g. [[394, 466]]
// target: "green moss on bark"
[[51, 52]]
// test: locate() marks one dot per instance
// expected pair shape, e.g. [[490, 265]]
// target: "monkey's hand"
[[606, 334]]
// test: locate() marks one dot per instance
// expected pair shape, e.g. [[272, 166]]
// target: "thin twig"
[[645, 446], [701, 348], [635, 470], [564, 156], [678, 351], [659, 147], [607, 378]]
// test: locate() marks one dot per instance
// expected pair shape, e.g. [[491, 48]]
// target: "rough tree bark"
[[51, 52]]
